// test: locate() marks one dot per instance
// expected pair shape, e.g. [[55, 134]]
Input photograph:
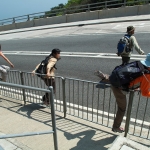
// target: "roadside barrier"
[[85, 100], [51, 100]]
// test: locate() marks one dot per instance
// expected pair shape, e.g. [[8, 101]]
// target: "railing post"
[[28, 18], [131, 96], [23, 90], [53, 117], [64, 12], [13, 20], [64, 97], [105, 4], [88, 7], [124, 2]]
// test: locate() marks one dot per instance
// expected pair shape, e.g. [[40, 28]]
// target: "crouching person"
[[142, 82], [49, 79]]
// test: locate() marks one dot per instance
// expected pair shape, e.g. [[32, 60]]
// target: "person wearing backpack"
[[4, 69], [50, 68], [126, 44], [142, 82]]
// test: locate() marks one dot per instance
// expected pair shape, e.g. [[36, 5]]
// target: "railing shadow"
[[87, 137]]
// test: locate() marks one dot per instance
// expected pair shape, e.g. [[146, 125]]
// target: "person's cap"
[[56, 50], [130, 28], [146, 62]]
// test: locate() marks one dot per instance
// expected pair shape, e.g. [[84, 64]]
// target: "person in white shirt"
[[4, 69]]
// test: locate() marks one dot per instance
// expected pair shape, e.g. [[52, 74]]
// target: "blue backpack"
[[124, 45], [122, 75]]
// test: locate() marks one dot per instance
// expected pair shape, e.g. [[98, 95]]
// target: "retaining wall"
[[89, 15]]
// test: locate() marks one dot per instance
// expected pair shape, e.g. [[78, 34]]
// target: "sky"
[[14, 8]]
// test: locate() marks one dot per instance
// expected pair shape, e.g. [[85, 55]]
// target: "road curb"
[[79, 24]]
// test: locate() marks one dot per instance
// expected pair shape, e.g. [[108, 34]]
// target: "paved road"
[[92, 38]]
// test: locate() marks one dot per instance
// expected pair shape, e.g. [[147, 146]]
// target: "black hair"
[[54, 51]]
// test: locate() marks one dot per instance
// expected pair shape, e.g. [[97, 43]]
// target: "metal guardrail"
[[76, 9], [51, 99], [82, 99]]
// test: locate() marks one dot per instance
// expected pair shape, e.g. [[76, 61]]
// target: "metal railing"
[[27, 79], [83, 99], [51, 99], [76, 9]]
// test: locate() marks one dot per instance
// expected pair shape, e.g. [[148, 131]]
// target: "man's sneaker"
[[100, 74], [120, 130]]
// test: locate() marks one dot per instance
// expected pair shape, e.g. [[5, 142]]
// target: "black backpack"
[[122, 75], [42, 69]]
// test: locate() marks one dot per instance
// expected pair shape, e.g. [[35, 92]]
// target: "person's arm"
[[33, 72], [50, 65], [136, 45], [5, 58]]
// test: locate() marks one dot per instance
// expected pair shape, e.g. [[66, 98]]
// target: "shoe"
[[120, 130], [46, 103], [100, 74]]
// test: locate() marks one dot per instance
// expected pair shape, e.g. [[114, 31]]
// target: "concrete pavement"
[[73, 133]]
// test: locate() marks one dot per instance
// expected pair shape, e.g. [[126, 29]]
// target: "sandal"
[[46, 103], [100, 74], [45, 100], [120, 130]]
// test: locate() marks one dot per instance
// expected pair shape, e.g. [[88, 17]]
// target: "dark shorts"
[[125, 60], [50, 82]]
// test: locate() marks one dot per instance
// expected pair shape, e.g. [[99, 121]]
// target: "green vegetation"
[[73, 6]]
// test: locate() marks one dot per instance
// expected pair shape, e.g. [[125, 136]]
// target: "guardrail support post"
[[64, 97], [23, 90], [13, 20], [131, 96], [105, 4], [53, 117], [88, 7], [124, 2], [28, 18]]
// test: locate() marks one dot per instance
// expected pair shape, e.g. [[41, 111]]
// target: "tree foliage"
[[64, 8]]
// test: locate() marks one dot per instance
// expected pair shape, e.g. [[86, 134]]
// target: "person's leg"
[[3, 70], [121, 102], [48, 82], [125, 60]]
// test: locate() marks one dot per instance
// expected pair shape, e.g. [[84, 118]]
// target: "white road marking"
[[117, 26], [74, 54]]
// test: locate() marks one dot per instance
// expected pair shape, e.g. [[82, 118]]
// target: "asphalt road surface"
[[94, 39]]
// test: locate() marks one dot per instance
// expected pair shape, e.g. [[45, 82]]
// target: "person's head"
[[56, 53], [130, 30], [146, 62]]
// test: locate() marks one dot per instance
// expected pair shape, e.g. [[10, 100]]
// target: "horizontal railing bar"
[[25, 134], [23, 86]]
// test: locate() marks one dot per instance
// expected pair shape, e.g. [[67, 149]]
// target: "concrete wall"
[[121, 12], [89, 15], [26, 24], [144, 10]]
